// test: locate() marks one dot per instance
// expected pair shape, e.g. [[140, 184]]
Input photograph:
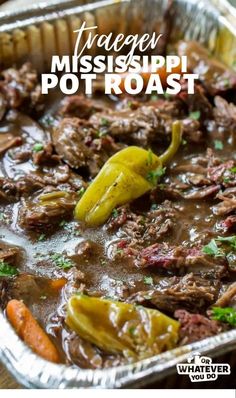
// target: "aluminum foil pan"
[[38, 32], [35, 34]]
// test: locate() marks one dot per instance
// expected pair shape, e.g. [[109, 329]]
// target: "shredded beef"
[[137, 229], [188, 292], [223, 174], [201, 178], [20, 88], [228, 298], [59, 176], [144, 125], [197, 101], [195, 327], [162, 255], [228, 202]]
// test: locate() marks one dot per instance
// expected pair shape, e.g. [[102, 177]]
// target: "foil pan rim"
[[221, 8], [50, 12], [35, 372], [55, 6], [225, 6]]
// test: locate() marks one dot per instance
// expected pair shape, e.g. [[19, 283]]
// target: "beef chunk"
[[45, 156], [228, 202], [21, 154], [79, 145], [30, 183], [30, 287], [68, 139], [166, 256], [24, 287], [3, 293], [88, 250], [8, 190], [3, 106], [29, 126], [29, 133], [214, 75], [118, 220], [8, 141], [195, 327], [192, 130], [197, 101], [20, 88], [9, 254], [144, 125], [58, 176], [145, 226], [47, 210], [188, 292], [79, 106], [139, 127], [225, 116], [62, 177]]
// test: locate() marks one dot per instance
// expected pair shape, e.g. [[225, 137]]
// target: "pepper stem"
[[175, 142]]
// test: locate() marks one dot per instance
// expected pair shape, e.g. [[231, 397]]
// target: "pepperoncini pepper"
[[123, 178], [120, 328]]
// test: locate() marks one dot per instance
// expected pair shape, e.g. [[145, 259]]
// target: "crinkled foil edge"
[[35, 372]]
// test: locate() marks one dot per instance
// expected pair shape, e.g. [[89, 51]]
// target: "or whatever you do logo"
[[200, 368]]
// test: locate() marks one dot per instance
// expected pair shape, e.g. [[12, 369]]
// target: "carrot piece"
[[30, 332], [58, 284], [162, 73]]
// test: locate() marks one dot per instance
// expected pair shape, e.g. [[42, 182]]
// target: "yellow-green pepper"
[[123, 178], [120, 328]]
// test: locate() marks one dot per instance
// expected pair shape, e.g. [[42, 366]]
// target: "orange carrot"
[[30, 332], [58, 284]]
